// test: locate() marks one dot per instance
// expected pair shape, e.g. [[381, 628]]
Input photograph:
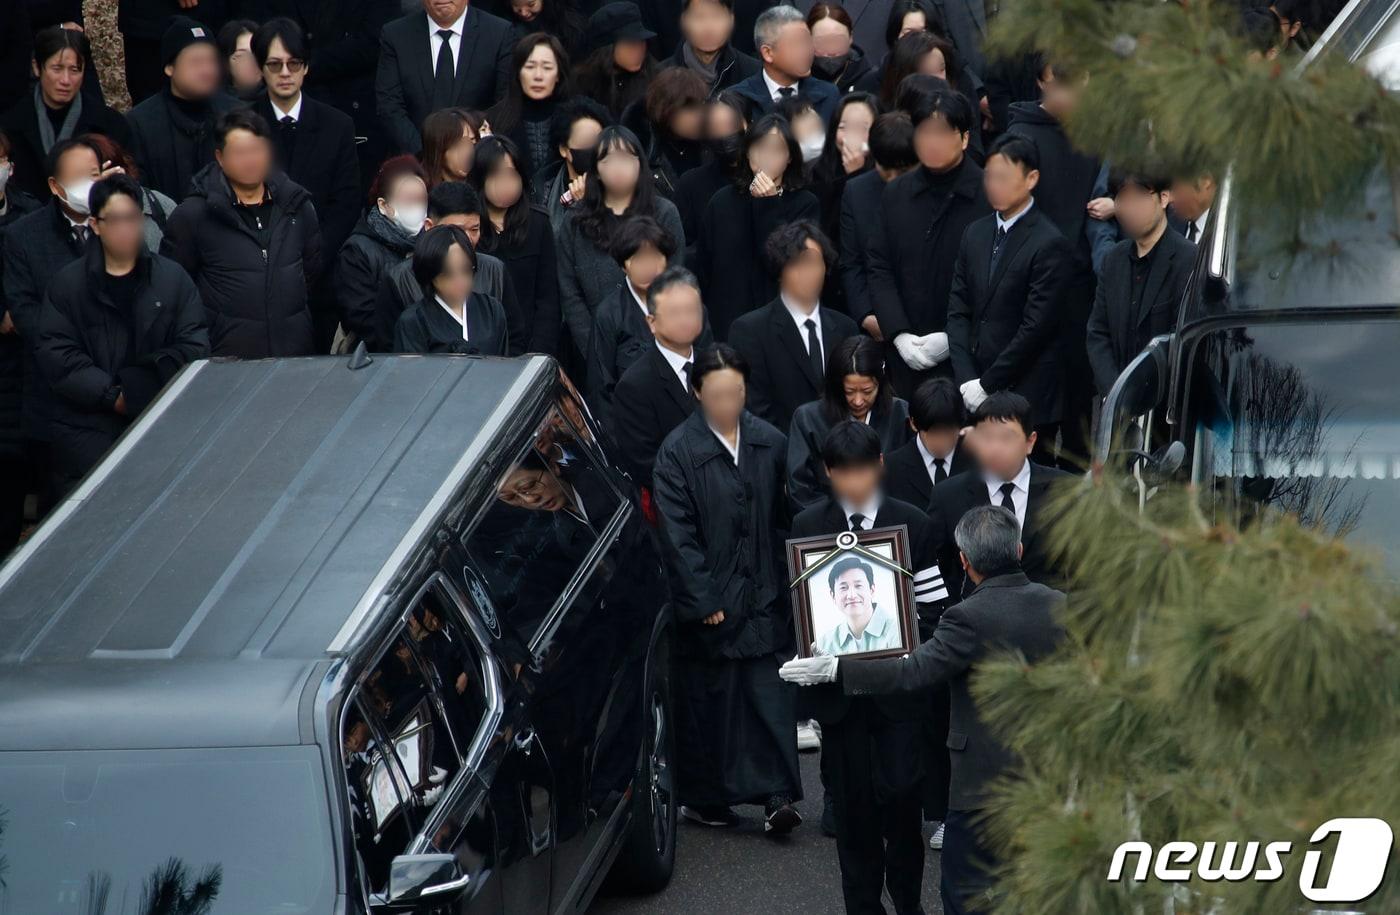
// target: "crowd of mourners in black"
[[812, 269]]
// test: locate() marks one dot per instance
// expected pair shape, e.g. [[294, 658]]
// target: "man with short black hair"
[[1142, 279], [937, 452], [1192, 200], [115, 327], [892, 148], [786, 343], [250, 238], [784, 44], [706, 28], [653, 396], [1005, 304]]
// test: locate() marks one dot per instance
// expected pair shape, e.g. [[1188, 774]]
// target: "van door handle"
[[525, 741]]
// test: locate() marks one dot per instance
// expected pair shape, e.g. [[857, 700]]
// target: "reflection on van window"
[[551, 506]]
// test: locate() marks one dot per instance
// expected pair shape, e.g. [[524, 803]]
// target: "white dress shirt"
[[929, 458], [733, 450], [1019, 496], [455, 42], [800, 318], [868, 511], [678, 363], [1200, 223], [294, 112], [462, 320], [773, 88], [641, 302], [1008, 223]]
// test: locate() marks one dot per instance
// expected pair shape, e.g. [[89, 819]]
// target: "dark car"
[[322, 640]]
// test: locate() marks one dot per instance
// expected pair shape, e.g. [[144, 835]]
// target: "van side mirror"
[[421, 882]]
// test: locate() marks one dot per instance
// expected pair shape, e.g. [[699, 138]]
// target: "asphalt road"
[[741, 871]]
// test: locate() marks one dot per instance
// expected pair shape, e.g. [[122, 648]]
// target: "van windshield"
[[161, 832]]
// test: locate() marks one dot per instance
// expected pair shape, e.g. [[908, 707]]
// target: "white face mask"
[[77, 194], [812, 147], [410, 218], [5, 171]]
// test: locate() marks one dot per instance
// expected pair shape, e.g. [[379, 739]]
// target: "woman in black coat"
[[845, 155], [520, 235], [739, 218], [854, 388], [931, 55], [451, 317], [726, 122], [670, 122], [839, 60], [15, 467], [541, 82], [719, 492]]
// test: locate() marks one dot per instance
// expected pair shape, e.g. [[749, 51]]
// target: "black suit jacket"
[[822, 94], [404, 83], [1003, 323], [860, 209], [648, 402], [323, 161], [955, 496], [1005, 612], [781, 376], [906, 476], [1118, 331]]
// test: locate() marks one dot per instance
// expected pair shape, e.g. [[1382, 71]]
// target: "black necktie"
[[940, 470], [685, 370], [288, 137], [787, 91], [1191, 231], [814, 347], [857, 522], [444, 74], [1006, 501], [997, 241]]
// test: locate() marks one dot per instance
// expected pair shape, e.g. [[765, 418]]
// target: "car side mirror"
[[421, 882]]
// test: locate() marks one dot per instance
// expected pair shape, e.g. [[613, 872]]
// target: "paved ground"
[[739, 871]]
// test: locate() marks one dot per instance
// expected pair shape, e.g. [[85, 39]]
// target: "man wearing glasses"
[[314, 145], [116, 325]]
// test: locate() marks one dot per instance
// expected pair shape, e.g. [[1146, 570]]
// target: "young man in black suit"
[[937, 452], [1142, 280], [787, 342], [1007, 477], [1007, 294], [892, 148], [872, 749], [450, 55], [653, 396]]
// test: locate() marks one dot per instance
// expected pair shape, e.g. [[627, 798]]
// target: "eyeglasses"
[[291, 66]]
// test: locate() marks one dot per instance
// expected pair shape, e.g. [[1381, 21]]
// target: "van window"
[[552, 505]]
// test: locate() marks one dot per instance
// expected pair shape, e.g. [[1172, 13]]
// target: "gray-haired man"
[[1005, 612], [784, 44]]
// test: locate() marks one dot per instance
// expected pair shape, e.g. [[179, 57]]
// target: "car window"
[[552, 505], [381, 819]]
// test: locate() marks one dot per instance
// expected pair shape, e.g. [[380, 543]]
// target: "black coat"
[[955, 496], [1070, 179], [90, 352], [731, 66], [733, 270], [12, 357], [806, 473], [400, 291], [781, 376], [323, 161], [404, 82], [360, 278], [1005, 613], [726, 525], [1118, 331], [21, 125], [149, 19], [668, 159], [913, 248], [648, 402], [907, 477], [170, 148], [860, 210], [256, 300], [534, 277], [428, 328], [1003, 325], [693, 193], [37, 246], [621, 336]]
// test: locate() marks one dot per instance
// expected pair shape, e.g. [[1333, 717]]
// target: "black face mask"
[[727, 149], [830, 67], [583, 159]]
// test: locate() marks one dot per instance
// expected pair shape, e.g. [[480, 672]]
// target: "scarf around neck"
[[47, 138]]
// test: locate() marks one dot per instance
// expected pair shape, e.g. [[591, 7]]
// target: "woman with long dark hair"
[[855, 388], [670, 122], [718, 485], [616, 187], [767, 192], [518, 234], [929, 54], [839, 60], [845, 155], [542, 81], [450, 136], [452, 317], [619, 68]]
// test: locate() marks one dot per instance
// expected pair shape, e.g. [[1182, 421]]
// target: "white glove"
[[935, 346], [911, 350], [972, 393], [809, 671]]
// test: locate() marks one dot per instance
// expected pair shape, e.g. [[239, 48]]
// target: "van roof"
[[195, 578]]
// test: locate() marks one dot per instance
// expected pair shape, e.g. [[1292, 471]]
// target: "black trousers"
[[144, 74], [879, 837], [966, 863]]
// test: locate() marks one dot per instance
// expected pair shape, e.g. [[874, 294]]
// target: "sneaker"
[[782, 818], [808, 737], [935, 841], [710, 816], [828, 817]]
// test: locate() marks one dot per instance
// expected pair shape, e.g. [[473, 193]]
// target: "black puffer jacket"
[[361, 272], [11, 345], [255, 299]]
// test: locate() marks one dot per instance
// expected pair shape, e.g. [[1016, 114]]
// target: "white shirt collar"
[[801, 319], [462, 320], [773, 87], [678, 363], [1201, 223], [1022, 479], [74, 223], [929, 456], [640, 301], [294, 114], [456, 28], [868, 511], [734, 451], [1008, 223]]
